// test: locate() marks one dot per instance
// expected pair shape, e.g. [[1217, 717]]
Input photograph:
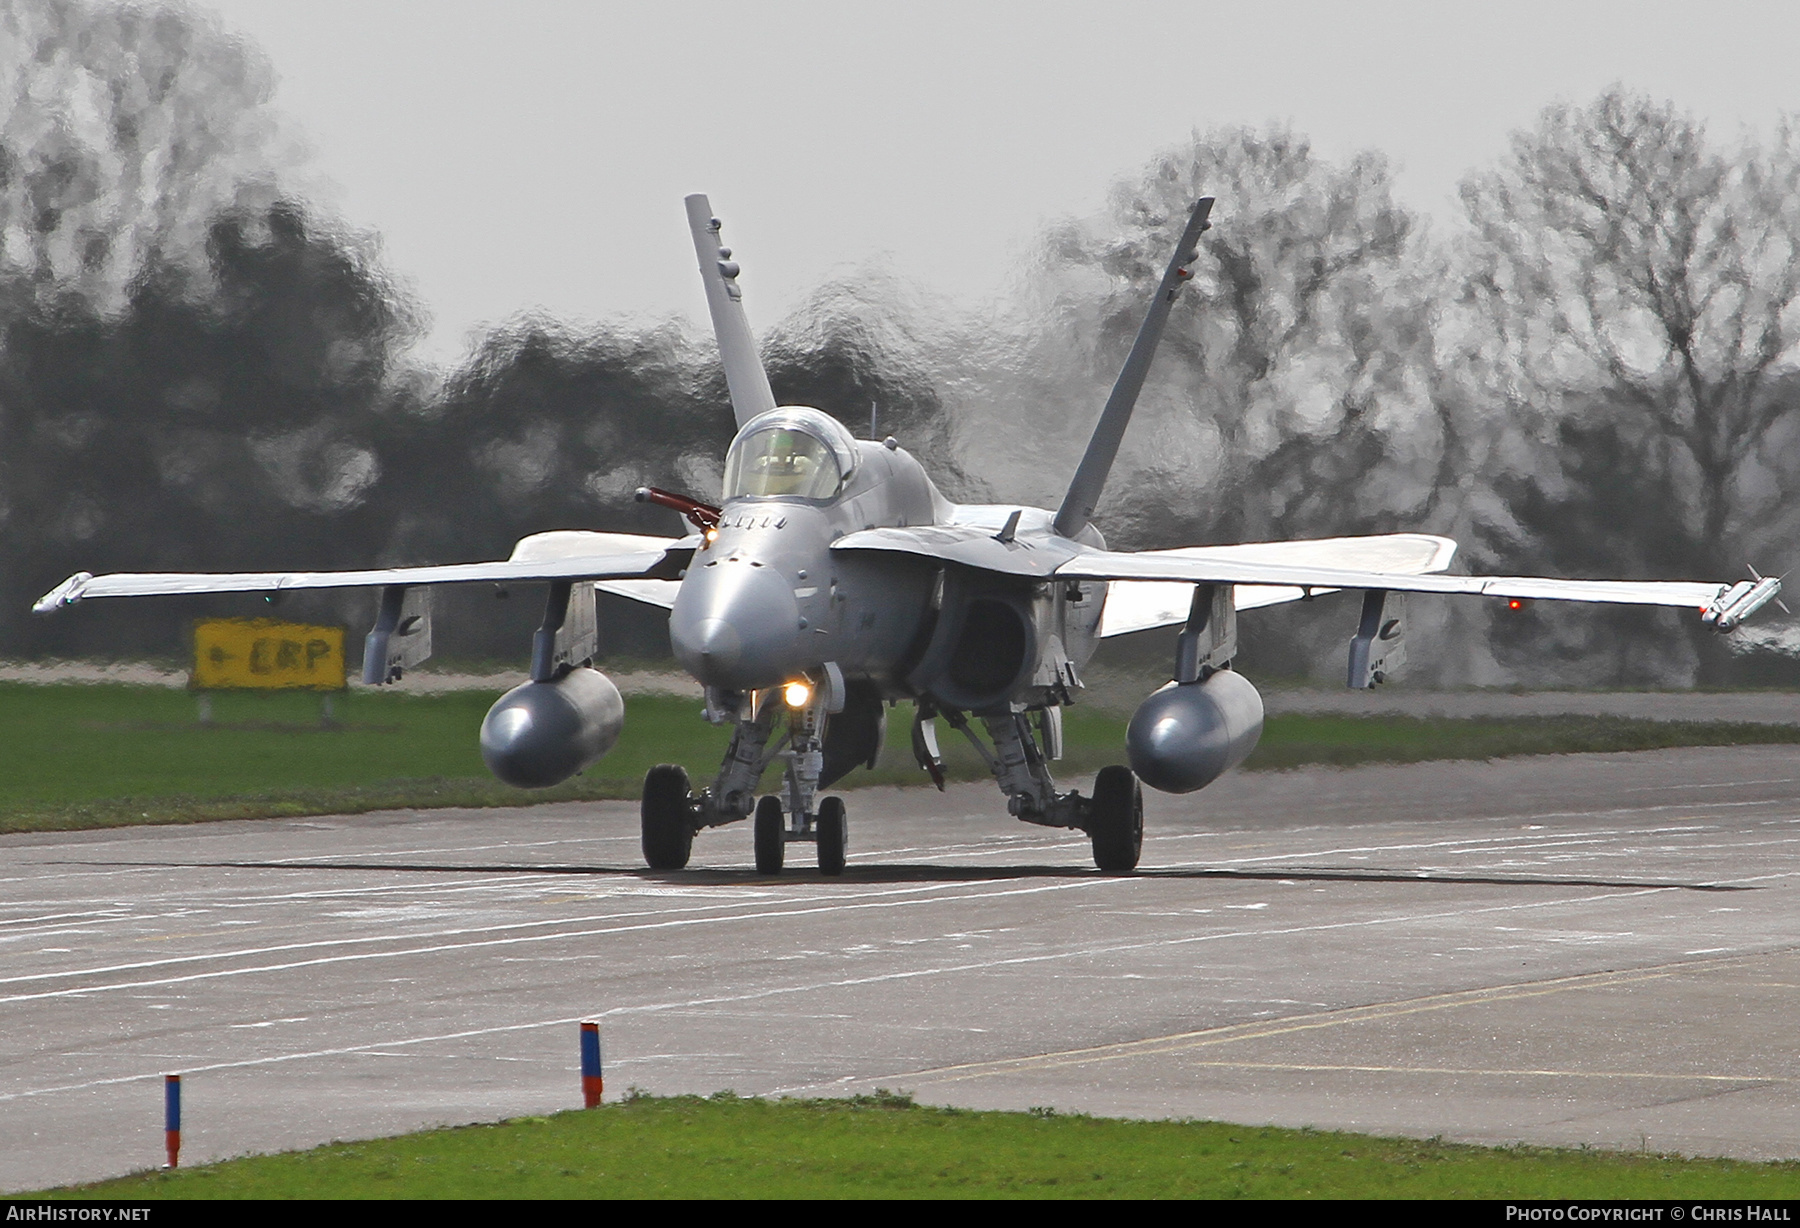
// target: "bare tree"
[[1295, 362], [1634, 298], [125, 132]]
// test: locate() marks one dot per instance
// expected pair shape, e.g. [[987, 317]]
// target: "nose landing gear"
[[829, 831], [673, 812]]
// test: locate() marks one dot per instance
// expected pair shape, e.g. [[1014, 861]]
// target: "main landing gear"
[[673, 812], [1019, 757], [1017, 750], [1116, 820], [668, 817]]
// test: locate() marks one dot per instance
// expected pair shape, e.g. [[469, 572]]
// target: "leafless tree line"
[[1591, 373]]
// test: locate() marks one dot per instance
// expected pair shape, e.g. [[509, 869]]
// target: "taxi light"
[[797, 694]]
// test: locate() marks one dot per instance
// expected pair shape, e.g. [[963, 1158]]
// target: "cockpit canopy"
[[792, 452]]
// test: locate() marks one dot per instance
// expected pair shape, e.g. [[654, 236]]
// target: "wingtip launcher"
[[65, 594], [1737, 603]]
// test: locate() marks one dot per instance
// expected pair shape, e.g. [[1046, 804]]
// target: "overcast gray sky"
[[534, 154]]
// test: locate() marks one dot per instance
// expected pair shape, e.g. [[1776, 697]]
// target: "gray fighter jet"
[[832, 580]]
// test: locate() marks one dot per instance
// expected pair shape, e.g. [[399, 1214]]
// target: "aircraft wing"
[[1111, 565], [1398, 562], [971, 545], [545, 556], [1139, 605]]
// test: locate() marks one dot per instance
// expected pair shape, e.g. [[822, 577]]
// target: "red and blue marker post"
[[592, 1083], [172, 1117]]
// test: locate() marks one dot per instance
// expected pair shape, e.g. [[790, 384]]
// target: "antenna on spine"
[[1077, 510]]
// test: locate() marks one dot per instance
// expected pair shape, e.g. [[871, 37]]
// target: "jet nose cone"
[[736, 625], [718, 643]]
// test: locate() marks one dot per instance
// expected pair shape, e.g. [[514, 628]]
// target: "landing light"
[[797, 694]]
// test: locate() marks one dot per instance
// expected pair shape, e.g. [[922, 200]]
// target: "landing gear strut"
[[673, 812], [1113, 818], [825, 825]]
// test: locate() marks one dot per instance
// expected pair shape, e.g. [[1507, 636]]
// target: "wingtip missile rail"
[[1737, 603], [64, 594]]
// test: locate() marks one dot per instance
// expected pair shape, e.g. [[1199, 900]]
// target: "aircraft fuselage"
[[766, 600]]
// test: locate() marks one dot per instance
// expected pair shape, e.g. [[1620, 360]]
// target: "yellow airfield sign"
[[265, 655]]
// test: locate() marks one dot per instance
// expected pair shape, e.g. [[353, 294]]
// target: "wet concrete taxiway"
[[1597, 949]]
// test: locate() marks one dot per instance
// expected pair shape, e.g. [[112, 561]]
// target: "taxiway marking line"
[[78, 991], [1303, 1068], [856, 982], [560, 936], [66, 917], [512, 881], [1472, 1070], [1230, 1034], [1722, 784], [1511, 841], [881, 898]]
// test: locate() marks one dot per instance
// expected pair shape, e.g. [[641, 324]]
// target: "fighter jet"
[[833, 580]]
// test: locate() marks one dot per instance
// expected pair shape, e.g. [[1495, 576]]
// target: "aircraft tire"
[[1116, 820], [769, 824], [834, 836], [668, 821]]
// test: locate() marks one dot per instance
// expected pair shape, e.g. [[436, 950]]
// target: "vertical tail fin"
[[744, 374], [1077, 509]]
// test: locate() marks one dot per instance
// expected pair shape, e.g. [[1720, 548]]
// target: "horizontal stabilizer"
[[660, 593]]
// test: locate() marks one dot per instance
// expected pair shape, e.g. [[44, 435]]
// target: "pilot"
[[785, 467]]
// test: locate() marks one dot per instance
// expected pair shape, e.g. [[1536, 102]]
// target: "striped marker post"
[[592, 1084], [172, 1118]]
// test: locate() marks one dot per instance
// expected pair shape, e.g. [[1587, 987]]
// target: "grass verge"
[[884, 1146], [74, 757]]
